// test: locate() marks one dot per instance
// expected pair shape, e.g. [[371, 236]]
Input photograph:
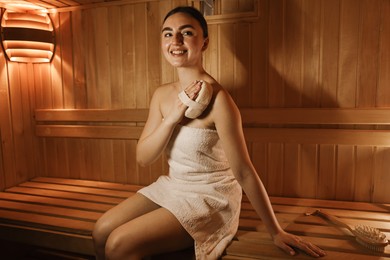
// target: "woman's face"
[[182, 40]]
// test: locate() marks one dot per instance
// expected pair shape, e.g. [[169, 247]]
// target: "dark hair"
[[193, 12]]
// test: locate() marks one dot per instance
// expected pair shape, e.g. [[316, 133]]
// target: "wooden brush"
[[367, 236]]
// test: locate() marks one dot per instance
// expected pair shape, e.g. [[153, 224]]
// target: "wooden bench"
[[57, 215]]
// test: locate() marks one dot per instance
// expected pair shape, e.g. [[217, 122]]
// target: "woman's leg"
[[127, 210], [152, 233]]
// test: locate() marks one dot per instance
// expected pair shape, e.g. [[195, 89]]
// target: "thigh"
[[155, 232], [129, 209]]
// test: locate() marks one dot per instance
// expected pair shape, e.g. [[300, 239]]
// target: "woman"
[[199, 202]]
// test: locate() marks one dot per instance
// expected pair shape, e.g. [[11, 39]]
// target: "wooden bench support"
[[59, 214]]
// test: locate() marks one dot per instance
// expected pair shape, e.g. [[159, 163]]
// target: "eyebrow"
[[180, 28]]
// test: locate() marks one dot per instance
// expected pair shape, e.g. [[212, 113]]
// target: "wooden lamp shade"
[[27, 37]]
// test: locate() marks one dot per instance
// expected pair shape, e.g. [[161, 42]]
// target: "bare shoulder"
[[224, 105], [164, 90]]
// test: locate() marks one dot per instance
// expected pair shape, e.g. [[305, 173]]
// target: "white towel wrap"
[[197, 106]]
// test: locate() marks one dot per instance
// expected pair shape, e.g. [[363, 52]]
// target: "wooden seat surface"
[[60, 214]]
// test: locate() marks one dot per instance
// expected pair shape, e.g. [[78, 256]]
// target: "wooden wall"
[[286, 54]]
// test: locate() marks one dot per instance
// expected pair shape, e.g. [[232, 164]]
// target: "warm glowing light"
[[27, 37], [21, 6]]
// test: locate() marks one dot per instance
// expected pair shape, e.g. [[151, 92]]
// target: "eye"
[[188, 33], [168, 34]]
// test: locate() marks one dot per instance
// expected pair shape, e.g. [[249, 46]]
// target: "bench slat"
[[315, 220], [50, 210], [365, 215], [67, 242], [379, 116], [65, 195], [249, 242], [318, 136], [334, 204], [85, 131], [316, 116], [47, 222], [88, 183], [92, 115], [66, 210], [99, 207], [269, 251], [76, 189]]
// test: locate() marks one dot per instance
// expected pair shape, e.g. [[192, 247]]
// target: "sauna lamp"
[[27, 37]]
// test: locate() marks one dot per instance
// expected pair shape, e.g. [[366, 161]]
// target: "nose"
[[177, 38]]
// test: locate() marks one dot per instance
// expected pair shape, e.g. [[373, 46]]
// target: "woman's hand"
[[287, 242], [176, 113]]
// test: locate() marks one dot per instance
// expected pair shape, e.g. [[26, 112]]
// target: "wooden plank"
[[92, 115], [311, 57], [6, 133], [47, 222], [32, 213], [269, 251], [88, 183], [115, 56], [350, 205], [308, 163], [363, 181], [59, 202], [345, 176], [128, 53], [383, 90], [141, 82], [381, 176], [242, 61], [275, 167], [80, 190], [67, 61], [104, 132], [330, 41], [78, 51], [348, 53], [333, 247], [81, 244], [153, 36], [60, 211], [66, 195], [275, 54], [301, 210], [20, 128], [368, 58], [315, 116], [292, 49], [102, 57], [319, 136], [382, 225], [57, 89]]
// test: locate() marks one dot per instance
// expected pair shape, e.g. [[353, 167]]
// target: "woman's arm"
[[157, 130], [228, 123], [159, 126]]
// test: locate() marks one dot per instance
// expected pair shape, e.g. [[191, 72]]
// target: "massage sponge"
[[197, 106]]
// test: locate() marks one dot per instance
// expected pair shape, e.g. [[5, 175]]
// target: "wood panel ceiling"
[[34, 5]]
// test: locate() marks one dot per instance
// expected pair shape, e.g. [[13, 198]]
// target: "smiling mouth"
[[178, 52]]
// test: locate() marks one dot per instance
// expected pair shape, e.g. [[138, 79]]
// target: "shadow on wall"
[[290, 58]]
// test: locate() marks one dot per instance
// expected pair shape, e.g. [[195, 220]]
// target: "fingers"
[[193, 89], [288, 242], [287, 249], [308, 247]]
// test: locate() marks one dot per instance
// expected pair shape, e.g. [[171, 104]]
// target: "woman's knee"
[[117, 247], [100, 232]]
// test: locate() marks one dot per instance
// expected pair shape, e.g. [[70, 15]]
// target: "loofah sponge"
[[197, 106]]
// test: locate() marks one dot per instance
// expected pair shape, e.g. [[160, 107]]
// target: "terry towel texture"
[[200, 190]]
